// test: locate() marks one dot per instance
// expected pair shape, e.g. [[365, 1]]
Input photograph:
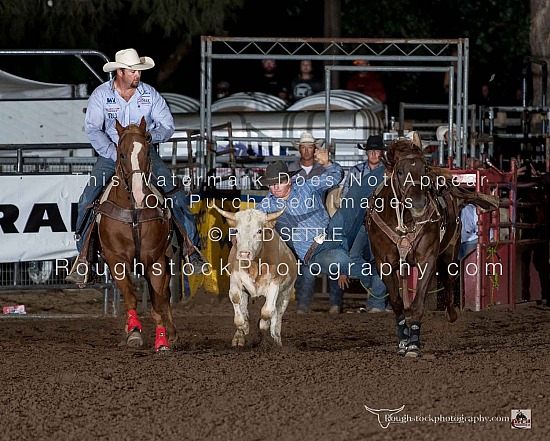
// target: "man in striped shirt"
[[307, 168], [374, 149]]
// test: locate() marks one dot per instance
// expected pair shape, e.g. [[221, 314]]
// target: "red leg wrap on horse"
[[160, 339], [132, 321]]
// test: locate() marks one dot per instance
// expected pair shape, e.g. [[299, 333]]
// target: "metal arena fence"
[[30, 276]]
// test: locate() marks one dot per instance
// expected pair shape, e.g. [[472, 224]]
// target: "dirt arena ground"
[[73, 379]]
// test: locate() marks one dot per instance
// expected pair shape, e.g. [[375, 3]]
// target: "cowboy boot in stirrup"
[[190, 254], [79, 274]]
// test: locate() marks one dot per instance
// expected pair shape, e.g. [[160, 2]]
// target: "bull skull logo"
[[384, 415]]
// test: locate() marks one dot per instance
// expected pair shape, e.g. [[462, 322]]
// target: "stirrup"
[[77, 278], [197, 261]]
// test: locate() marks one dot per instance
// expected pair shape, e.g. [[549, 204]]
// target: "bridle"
[[403, 191], [127, 177]]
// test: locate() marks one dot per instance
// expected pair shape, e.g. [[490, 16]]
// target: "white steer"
[[261, 264]]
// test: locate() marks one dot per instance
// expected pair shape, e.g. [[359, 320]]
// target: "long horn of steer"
[[273, 216], [226, 214]]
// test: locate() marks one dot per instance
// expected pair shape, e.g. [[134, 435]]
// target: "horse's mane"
[[401, 147]]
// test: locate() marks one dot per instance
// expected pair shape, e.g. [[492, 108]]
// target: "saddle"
[[104, 207]]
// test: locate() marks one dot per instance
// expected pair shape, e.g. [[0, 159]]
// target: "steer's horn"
[[226, 214], [272, 216]]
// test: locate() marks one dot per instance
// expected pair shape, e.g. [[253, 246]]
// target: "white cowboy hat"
[[307, 138], [129, 59], [414, 136], [441, 130]]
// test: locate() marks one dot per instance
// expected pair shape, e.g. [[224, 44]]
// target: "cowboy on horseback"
[[126, 99]]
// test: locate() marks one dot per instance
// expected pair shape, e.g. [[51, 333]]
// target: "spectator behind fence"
[[442, 134], [307, 168], [468, 234], [484, 98], [223, 89], [367, 82], [305, 84], [270, 82]]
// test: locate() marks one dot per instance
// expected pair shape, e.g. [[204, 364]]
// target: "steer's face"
[[249, 229], [248, 233]]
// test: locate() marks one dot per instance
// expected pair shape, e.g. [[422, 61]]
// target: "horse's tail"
[[486, 202]]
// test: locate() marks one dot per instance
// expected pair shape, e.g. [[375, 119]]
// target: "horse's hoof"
[[134, 339], [402, 347], [163, 350], [451, 315], [238, 342], [413, 351]]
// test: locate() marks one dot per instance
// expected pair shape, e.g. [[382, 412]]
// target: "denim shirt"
[[358, 171], [105, 106], [305, 216], [469, 219]]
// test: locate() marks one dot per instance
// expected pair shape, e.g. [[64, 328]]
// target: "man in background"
[[307, 168]]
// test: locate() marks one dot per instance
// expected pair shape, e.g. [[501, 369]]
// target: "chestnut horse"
[[417, 228], [134, 231]]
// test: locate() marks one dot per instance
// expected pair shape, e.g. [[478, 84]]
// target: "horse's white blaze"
[[137, 181]]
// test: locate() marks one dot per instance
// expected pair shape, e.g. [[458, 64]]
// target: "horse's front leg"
[[126, 287], [396, 301], [426, 270], [158, 279], [448, 268]]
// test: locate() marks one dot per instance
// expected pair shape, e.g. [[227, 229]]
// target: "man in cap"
[[442, 135], [360, 246], [307, 168], [305, 223], [126, 99], [374, 150]]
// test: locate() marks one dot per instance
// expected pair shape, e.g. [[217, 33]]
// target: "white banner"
[[38, 216]]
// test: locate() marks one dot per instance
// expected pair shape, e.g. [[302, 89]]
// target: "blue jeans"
[[305, 287], [103, 171], [347, 232], [465, 248], [331, 258]]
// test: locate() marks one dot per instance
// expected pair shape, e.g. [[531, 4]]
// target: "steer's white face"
[[248, 232]]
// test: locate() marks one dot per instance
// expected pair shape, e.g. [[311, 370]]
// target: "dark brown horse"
[[418, 227], [134, 234]]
